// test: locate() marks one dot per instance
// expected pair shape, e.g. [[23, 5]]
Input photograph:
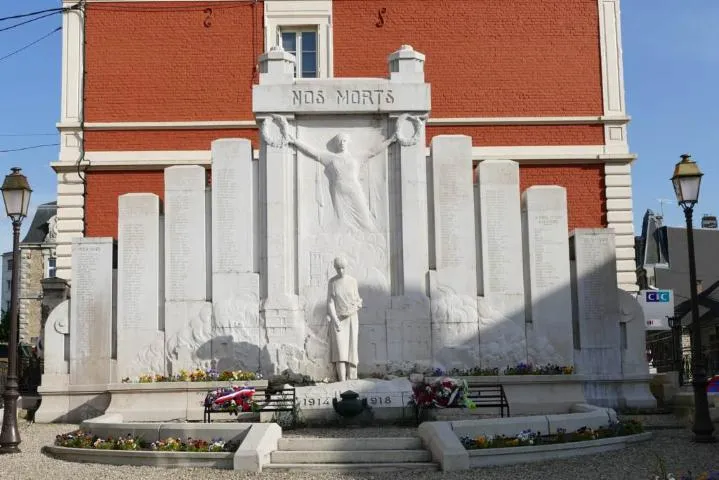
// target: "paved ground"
[[671, 444]]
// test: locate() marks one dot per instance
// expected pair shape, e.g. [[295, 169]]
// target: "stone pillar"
[[546, 276], [138, 285], [235, 285], [596, 313], [185, 264], [281, 309], [453, 282], [91, 312], [501, 309], [408, 321]]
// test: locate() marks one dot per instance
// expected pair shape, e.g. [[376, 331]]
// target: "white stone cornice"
[[150, 160], [446, 121]]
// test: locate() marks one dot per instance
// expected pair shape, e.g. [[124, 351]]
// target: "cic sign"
[[658, 306]]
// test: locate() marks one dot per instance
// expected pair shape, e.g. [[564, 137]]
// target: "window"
[[51, 267], [9, 265], [305, 29], [302, 43]]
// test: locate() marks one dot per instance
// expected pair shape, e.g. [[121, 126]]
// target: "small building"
[[663, 263], [37, 261]]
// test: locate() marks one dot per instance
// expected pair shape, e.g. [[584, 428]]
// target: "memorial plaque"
[[138, 287], [91, 307], [596, 301], [454, 232], [185, 249], [500, 217], [547, 278], [185, 245], [233, 203]]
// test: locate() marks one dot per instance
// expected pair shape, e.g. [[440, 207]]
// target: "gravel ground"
[[639, 461]]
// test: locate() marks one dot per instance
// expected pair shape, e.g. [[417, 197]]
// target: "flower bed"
[[82, 439], [198, 375], [529, 437]]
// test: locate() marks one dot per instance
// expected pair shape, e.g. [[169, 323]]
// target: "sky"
[[671, 66]]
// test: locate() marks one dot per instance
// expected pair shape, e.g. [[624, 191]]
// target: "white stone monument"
[[444, 274]]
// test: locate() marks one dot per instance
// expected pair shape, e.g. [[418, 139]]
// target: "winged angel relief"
[[342, 167]]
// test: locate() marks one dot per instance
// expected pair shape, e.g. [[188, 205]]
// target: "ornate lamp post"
[[687, 179], [16, 194]]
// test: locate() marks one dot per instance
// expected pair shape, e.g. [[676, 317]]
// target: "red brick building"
[[149, 84]]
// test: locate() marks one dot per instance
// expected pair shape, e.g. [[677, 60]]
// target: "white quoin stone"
[[138, 285], [91, 307], [547, 278]]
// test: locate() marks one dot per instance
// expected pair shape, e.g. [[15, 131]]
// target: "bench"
[[488, 396], [270, 400]]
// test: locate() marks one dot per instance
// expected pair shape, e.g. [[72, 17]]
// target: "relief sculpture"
[[342, 167]]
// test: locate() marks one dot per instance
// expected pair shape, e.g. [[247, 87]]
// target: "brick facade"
[[497, 69]]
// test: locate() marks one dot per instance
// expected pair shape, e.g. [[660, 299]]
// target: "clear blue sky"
[[671, 66]]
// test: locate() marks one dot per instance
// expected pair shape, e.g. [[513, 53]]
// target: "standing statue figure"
[[343, 303], [342, 169]]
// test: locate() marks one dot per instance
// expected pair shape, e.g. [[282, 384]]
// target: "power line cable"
[[28, 21], [30, 14], [29, 147], [30, 44]]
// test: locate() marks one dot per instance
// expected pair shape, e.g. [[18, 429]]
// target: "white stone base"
[[136, 402], [629, 391]]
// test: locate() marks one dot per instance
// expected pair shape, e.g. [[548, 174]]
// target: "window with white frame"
[[302, 43], [303, 28]]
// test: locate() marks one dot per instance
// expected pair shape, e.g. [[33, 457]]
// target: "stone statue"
[[343, 303], [51, 230], [342, 167]]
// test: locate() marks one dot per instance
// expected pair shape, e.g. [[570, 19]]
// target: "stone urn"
[[350, 405]]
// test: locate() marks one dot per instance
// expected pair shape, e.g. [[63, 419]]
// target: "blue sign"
[[661, 296]]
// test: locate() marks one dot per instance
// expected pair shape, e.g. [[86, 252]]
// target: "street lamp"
[[16, 194], [687, 179]]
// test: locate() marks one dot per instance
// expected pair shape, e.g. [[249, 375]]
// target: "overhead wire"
[[30, 14], [30, 147], [30, 44], [15, 25]]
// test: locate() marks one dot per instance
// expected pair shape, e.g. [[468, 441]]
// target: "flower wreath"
[[268, 135], [416, 122]]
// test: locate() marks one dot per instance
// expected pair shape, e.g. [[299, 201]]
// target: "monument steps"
[[351, 454], [351, 467], [328, 444]]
